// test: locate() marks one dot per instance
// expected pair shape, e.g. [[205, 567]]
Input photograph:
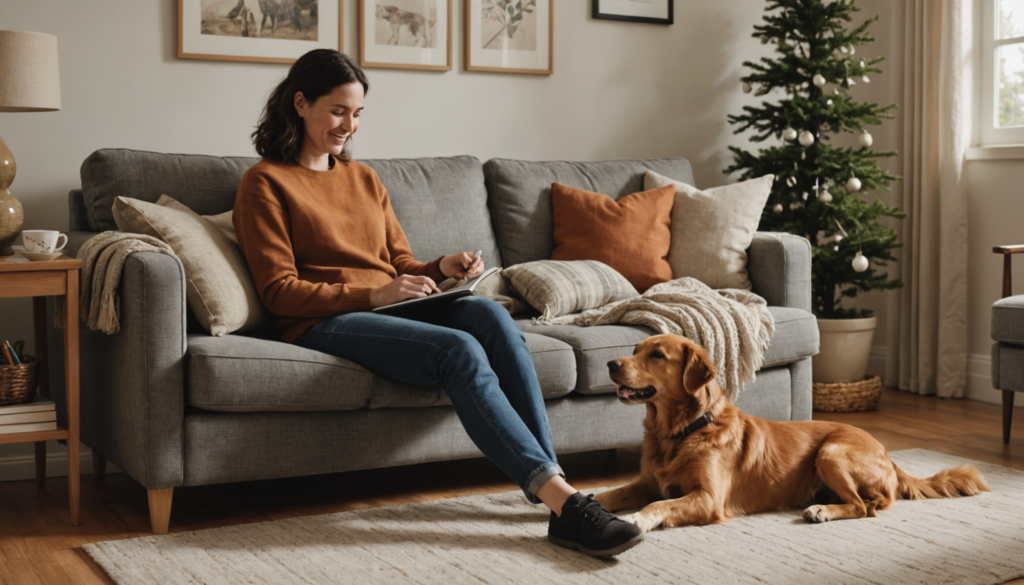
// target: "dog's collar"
[[695, 426]]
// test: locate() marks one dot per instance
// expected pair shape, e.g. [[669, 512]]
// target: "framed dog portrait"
[[649, 11], [268, 31], [510, 36], [406, 34]]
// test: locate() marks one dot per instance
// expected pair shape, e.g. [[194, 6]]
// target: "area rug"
[[500, 538]]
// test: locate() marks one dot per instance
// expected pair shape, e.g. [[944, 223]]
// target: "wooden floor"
[[37, 545]]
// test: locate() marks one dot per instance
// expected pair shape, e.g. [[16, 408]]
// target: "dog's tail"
[[952, 482]]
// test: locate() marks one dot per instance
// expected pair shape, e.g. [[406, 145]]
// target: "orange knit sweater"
[[317, 242]]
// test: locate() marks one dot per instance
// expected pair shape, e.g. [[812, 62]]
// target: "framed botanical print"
[[510, 36], [651, 11], [269, 31], [406, 34]]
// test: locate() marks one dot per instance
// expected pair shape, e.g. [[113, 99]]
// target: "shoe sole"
[[611, 552]]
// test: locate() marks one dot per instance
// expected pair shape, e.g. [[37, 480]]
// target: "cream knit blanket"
[[733, 325], [103, 257]]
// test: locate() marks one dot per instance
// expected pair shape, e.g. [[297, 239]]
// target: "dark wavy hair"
[[279, 134]]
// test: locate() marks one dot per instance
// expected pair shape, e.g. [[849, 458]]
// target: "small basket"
[[18, 383], [848, 396]]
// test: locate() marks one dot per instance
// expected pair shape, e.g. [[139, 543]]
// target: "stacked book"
[[38, 414]]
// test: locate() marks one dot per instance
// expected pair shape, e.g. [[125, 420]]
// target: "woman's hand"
[[461, 265], [402, 288]]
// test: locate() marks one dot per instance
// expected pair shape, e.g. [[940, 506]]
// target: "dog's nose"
[[614, 365]]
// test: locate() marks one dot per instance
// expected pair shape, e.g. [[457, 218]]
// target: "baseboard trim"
[[18, 462], [979, 374]]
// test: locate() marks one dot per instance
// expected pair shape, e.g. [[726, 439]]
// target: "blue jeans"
[[475, 351]]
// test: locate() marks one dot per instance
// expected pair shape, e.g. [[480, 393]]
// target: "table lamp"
[[29, 82]]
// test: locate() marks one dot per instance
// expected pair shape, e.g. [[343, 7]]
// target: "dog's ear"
[[697, 369]]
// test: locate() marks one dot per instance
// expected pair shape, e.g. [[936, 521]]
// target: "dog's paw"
[[644, 521], [816, 514]]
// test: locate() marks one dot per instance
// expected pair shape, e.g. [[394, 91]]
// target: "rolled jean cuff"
[[539, 478]]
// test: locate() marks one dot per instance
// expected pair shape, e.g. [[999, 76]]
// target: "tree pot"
[[845, 349]]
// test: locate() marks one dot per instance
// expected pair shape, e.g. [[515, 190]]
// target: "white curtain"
[[927, 318]]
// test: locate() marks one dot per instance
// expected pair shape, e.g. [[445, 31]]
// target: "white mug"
[[43, 241]]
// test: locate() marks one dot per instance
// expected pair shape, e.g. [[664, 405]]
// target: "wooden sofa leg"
[[160, 509], [99, 465], [1007, 414]]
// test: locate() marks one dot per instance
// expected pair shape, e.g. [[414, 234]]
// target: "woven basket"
[[848, 396], [18, 383]]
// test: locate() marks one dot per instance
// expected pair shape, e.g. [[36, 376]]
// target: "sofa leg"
[[1007, 414], [99, 465], [160, 509]]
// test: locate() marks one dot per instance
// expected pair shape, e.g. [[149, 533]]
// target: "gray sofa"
[[172, 406]]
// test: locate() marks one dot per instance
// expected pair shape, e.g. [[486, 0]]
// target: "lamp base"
[[12, 216]]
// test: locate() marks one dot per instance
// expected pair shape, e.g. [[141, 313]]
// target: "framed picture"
[[651, 11], [267, 31], [406, 34], [510, 36]]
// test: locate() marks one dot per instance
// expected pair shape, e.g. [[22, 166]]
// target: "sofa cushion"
[[795, 337], [592, 226], [519, 196], [244, 374], [441, 204], [1008, 320], [205, 184]]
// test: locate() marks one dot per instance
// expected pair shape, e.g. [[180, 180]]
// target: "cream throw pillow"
[[218, 285], [712, 229]]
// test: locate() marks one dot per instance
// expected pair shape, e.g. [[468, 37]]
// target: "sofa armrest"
[[132, 383], [779, 266]]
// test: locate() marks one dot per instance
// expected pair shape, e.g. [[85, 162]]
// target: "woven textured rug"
[[501, 538]]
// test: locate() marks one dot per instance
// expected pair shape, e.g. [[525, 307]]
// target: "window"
[[1002, 74]]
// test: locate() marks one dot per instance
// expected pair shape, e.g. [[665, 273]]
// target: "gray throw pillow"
[[557, 288]]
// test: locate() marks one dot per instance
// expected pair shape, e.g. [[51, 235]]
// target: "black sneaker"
[[587, 527]]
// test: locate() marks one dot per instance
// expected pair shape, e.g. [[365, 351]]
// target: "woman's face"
[[330, 120]]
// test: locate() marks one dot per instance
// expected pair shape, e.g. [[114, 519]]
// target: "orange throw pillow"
[[631, 235]]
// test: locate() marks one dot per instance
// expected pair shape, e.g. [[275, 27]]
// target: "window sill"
[[1007, 152]]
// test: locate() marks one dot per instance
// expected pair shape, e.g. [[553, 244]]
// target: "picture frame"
[[238, 30], [510, 36], [651, 11], [406, 34]]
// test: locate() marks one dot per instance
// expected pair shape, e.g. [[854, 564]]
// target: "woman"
[[324, 247]]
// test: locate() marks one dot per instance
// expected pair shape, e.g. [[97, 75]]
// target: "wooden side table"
[[22, 278]]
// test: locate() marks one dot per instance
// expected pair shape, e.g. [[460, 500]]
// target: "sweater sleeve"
[[401, 252], [263, 229]]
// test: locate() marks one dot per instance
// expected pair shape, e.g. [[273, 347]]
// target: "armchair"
[[1008, 333]]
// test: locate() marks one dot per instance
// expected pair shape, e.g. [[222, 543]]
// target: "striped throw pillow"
[[557, 288]]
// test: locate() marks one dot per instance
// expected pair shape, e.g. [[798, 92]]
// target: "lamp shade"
[[29, 72]]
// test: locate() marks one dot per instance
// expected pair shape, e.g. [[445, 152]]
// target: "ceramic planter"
[[845, 349]]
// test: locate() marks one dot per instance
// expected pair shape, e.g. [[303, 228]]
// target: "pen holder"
[[18, 383]]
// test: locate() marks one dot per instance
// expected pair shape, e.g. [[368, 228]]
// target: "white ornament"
[[838, 238], [844, 49], [791, 181], [866, 79], [788, 133], [805, 85], [825, 196], [806, 138], [853, 50], [862, 64], [850, 82], [818, 79], [836, 91], [747, 87], [853, 185], [778, 208], [805, 195], [866, 139], [836, 248], [829, 103], [860, 262]]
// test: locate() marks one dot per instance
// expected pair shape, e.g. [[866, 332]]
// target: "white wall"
[[620, 90]]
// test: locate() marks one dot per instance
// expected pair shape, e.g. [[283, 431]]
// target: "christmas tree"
[[818, 187]]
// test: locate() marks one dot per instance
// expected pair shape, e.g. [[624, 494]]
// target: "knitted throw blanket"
[[103, 257], [733, 325]]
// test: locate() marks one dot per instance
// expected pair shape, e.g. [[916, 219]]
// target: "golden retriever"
[[705, 462]]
